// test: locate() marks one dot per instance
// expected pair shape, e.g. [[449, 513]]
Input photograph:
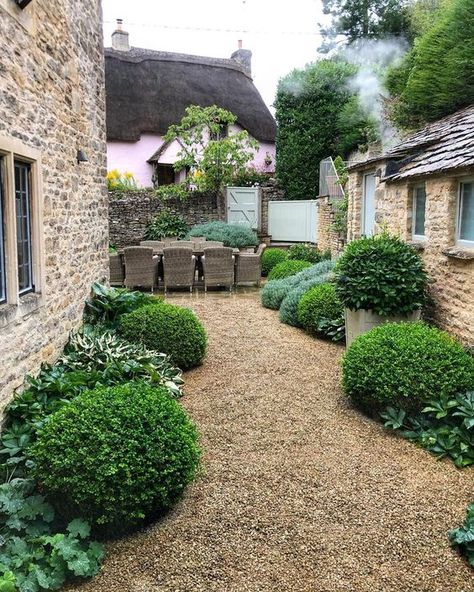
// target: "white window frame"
[[417, 237], [461, 242], [11, 151]]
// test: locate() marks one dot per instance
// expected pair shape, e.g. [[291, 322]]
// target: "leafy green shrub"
[[444, 427], [463, 537], [320, 309], [275, 291], [404, 365], [272, 257], [232, 235], [171, 329], [382, 274], [249, 177], [119, 455], [107, 304], [35, 554], [166, 223], [290, 304], [307, 252], [287, 268]]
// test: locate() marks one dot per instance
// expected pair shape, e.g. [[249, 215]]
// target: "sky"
[[281, 35]]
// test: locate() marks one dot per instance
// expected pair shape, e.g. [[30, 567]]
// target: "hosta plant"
[[463, 536]]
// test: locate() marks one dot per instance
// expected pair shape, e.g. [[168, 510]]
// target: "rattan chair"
[[156, 245], [141, 268], [179, 267], [218, 267], [249, 266], [214, 244], [168, 240], [182, 244], [198, 239], [116, 270]]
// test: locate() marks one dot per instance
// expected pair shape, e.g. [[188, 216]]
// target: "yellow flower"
[[113, 174], [128, 175]]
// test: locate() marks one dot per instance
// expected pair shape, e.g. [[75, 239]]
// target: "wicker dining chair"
[[179, 267], [116, 270], [249, 266], [168, 240], [214, 244], [141, 268], [218, 267], [157, 245]]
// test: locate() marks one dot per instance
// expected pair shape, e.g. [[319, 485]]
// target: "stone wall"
[[52, 101], [328, 238], [271, 192], [451, 270], [130, 212]]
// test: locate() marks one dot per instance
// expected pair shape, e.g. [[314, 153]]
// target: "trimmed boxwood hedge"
[[405, 365], [118, 456], [232, 235], [173, 330], [317, 305], [287, 268], [272, 257]]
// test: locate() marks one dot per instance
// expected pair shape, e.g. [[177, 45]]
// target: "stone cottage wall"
[[52, 100], [451, 275], [328, 238]]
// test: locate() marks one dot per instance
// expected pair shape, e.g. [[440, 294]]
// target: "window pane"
[[466, 217], [23, 227], [419, 205], [2, 242]]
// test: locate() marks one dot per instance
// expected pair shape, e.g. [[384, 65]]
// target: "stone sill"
[[418, 245], [12, 312], [459, 253]]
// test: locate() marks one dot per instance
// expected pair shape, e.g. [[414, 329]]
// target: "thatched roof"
[[441, 147], [147, 90]]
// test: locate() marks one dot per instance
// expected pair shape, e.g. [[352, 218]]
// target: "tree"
[[316, 112], [437, 77], [364, 19], [209, 148]]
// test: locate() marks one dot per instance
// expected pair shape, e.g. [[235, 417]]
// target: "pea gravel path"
[[299, 492]]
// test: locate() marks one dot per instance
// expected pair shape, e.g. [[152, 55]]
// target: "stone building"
[[423, 191], [53, 214]]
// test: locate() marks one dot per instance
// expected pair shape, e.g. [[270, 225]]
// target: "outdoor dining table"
[[196, 252]]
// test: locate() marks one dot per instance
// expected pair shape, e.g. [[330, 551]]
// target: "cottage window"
[[23, 227], [465, 226], [419, 209], [21, 252]]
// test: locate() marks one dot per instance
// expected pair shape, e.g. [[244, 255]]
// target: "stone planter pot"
[[361, 321]]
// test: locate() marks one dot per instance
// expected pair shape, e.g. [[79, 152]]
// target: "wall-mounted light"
[[22, 3], [81, 156]]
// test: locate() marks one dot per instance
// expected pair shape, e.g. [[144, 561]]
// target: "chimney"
[[120, 38], [243, 57]]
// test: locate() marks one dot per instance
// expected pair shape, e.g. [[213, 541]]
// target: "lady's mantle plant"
[[382, 274]]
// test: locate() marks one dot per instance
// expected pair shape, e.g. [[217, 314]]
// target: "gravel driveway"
[[298, 492]]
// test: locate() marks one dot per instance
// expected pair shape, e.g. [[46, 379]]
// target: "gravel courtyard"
[[298, 491]]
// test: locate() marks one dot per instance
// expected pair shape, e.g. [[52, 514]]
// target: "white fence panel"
[[293, 221]]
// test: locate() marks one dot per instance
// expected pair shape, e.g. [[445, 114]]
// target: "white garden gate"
[[293, 221], [243, 206]]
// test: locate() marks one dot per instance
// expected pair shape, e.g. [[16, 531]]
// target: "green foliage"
[[272, 257], [307, 252], [287, 268], [249, 177], [437, 78], [171, 329], [463, 537], [320, 311], [275, 291], [34, 554], [290, 304], [341, 207], [232, 235], [119, 456], [106, 305], [444, 427], [364, 19], [354, 128], [177, 191], [209, 148], [166, 223], [308, 105], [403, 364], [382, 274]]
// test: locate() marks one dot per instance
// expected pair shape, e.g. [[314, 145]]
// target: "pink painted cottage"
[[147, 91]]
